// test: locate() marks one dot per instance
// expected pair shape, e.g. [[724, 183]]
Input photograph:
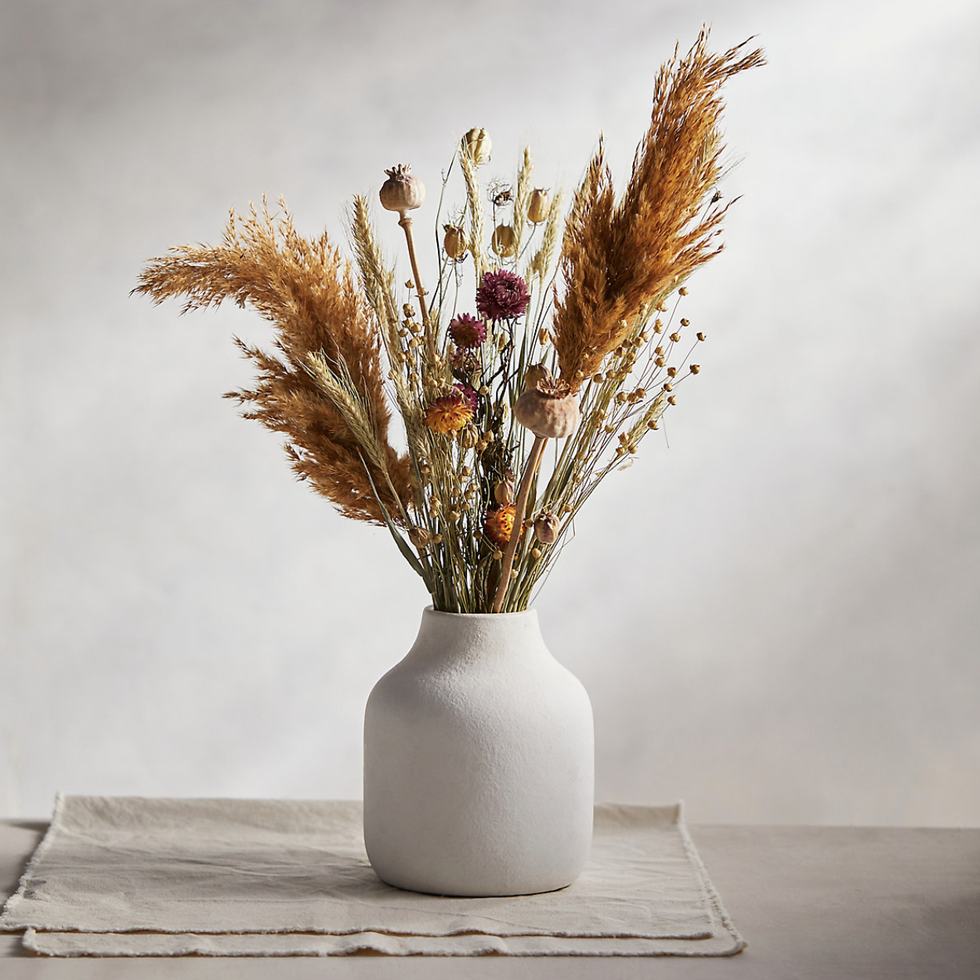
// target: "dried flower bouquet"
[[555, 337]]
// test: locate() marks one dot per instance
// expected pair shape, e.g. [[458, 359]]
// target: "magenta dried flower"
[[502, 295], [467, 331]]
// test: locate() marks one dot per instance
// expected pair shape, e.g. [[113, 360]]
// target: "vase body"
[[478, 762]]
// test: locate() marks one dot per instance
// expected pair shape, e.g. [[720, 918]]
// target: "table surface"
[[828, 903]]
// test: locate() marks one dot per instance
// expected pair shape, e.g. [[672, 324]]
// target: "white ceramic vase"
[[478, 762]]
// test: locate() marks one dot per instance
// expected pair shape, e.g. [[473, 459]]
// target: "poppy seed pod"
[[401, 192], [549, 410], [477, 145], [546, 528], [538, 206]]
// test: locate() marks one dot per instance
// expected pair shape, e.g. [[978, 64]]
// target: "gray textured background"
[[776, 615]]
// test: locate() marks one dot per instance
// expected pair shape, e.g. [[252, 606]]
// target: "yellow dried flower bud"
[[675, 337], [454, 241], [694, 368], [539, 206], [700, 336], [683, 290], [685, 322], [402, 192], [504, 241], [476, 144]]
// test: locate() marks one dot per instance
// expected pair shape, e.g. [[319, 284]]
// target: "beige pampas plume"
[[619, 258], [322, 388]]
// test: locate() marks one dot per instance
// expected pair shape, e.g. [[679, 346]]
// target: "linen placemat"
[[133, 876]]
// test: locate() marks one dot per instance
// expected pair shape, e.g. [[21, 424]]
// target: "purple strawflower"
[[467, 331], [502, 295]]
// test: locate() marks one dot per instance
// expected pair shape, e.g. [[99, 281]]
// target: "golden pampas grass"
[[323, 386], [620, 258]]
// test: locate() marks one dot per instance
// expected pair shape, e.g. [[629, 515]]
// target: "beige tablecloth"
[[134, 876]]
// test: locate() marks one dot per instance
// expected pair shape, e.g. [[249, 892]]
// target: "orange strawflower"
[[499, 525], [449, 414]]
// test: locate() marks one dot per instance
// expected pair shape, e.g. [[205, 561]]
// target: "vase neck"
[[479, 635]]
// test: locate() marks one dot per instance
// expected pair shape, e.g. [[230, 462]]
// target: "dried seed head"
[[538, 206], [476, 144], [419, 536], [504, 241], [694, 368], [464, 362], [546, 528], [503, 492], [469, 436], [454, 241], [402, 192], [535, 374], [549, 409]]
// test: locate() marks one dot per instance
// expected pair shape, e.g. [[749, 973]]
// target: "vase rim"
[[432, 611]]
